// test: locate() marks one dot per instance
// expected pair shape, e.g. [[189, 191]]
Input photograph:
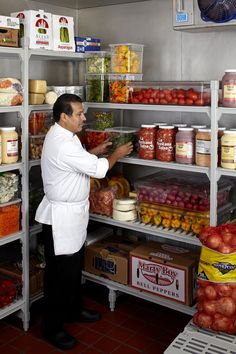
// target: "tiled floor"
[[136, 326]]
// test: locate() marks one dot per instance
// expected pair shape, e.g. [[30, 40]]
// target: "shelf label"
[[181, 17]]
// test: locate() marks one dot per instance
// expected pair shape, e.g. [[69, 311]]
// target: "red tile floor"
[[136, 326]]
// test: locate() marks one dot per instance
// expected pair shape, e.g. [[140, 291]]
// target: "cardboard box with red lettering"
[[165, 270], [9, 28], [109, 259], [63, 33], [36, 28]]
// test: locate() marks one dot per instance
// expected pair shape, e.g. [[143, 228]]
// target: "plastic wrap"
[[10, 85], [10, 99], [8, 186], [101, 200]]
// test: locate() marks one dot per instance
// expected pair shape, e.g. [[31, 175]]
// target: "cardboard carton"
[[84, 44], [160, 270], [63, 33], [9, 28]]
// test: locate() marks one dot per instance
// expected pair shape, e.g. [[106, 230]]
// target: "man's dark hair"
[[63, 105]]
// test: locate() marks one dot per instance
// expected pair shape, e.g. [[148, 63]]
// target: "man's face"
[[75, 122]]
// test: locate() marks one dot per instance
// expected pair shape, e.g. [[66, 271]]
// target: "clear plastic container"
[[9, 218], [119, 87], [122, 135], [102, 120], [229, 88], [76, 90], [98, 62], [9, 183], [189, 93], [97, 88], [59, 90], [181, 190], [126, 58], [36, 146], [40, 122], [94, 137], [184, 146]]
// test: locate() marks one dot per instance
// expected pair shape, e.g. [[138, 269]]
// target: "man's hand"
[[101, 148], [119, 152]]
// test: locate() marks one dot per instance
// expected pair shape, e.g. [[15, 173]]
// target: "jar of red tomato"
[[147, 140], [165, 143]]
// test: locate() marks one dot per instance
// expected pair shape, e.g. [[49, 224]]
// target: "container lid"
[[159, 124], [233, 129], [122, 130], [97, 53], [7, 128], [118, 44], [186, 129], [221, 128], [180, 125], [204, 130], [148, 126], [230, 71], [167, 127], [198, 126], [230, 132], [131, 77], [96, 76]]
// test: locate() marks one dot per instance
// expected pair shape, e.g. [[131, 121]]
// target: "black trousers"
[[62, 285]]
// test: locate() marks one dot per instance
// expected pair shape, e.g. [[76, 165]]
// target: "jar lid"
[[198, 126], [186, 129], [167, 127], [232, 129], [180, 125], [7, 128], [159, 124], [230, 71], [221, 128], [148, 126], [230, 132], [204, 130]]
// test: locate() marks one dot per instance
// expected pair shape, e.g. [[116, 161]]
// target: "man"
[[64, 212]]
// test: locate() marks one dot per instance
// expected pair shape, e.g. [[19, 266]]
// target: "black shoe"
[[89, 316], [61, 340]]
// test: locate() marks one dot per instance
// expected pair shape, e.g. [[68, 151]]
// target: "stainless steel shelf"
[[11, 109], [8, 310], [11, 52], [226, 110], [170, 234], [141, 294], [226, 172], [35, 229], [11, 167], [33, 163], [40, 107], [147, 107], [40, 54], [36, 297], [7, 239]]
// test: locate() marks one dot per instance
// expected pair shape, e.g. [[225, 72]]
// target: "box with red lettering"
[[165, 270]]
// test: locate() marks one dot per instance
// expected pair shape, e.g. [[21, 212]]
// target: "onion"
[[210, 292], [209, 307], [204, 320], [223, 290], [200, 294], [214, 241], [222, 324], [226, 306], [226, 249]]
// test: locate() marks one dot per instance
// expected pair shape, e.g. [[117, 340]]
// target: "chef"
[[64, 212]]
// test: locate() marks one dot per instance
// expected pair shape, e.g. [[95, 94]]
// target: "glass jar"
[[184, 146], [147, 142], [9, 139], [179, 125], [103, 120], [203, 148], [159, 124], [165, 143], [228, 149], [197, 127], [229, 88], [220, 134]]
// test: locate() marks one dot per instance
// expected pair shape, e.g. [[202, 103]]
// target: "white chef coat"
[[66, 167]]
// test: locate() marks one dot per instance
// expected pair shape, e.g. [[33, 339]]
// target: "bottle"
[[9, 139], [229, 88], [228, 149], [165, 143], [203, 147], [184, 146], [147, 141]]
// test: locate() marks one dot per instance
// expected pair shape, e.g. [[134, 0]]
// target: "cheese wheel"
[[124, 215], [124, 204], [37, 86], [36, 98], [50, 97]]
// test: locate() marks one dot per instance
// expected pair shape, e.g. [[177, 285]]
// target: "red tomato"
[[157, 100], [181, 101], [147, 95], [144, 101], [188, 101], [151, 100], [204, 320], [226, 306], [192, 95], [153, 94], [214, 241], [166, 92], [174, 100], [223, 290], [209, 307], [180, 95], [210, 292], [168, 98], [161, 94], [135, 100], [199, 102], [163, 101]]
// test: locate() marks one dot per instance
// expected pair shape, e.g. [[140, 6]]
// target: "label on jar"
[[184, 150], [230, 92], [0, 152], [161, 145], [146, 145], [203, 147], [12, 148], [228, 154]]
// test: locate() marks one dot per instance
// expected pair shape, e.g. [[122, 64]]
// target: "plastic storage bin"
[[97, 88], [10, 287], [102, 120], [98, 62], [8, 186], [94, 137], [40, 122], [183, 191], [126, 58], [9, 218], [122, 135], [36, 146], [187, 93], [119, 87]]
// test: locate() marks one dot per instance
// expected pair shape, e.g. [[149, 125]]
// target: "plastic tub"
[[119, 87], [97, 88], [98, 62], [122, 135], [9, 218], [36, 146], [102, 120], [40, 122], [94, 137], [8, 186], [126, 58]]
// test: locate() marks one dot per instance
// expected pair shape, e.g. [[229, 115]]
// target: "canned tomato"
[[147, 140]]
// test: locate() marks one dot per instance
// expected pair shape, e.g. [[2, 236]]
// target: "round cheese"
[[37, 86], [130, 215]]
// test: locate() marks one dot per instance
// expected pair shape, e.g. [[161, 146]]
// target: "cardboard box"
[[164, 271], [36, 27], [85, 44], [9, 28], [109, 259], [63, 33]]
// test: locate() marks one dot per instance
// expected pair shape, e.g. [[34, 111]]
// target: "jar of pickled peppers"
[[147, 141]]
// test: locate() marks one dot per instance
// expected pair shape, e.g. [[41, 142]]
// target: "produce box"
[[37, 27], [109, 259], [122, 135], [126, 58], [118, 87], [9, 183], [40, 122], [63, 33], [170, 93], [9, 218], [181, 190], [84, 44], [36, 146], [94, 137], [165, 270], [97, 88], [9, 28], [98, 62]]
